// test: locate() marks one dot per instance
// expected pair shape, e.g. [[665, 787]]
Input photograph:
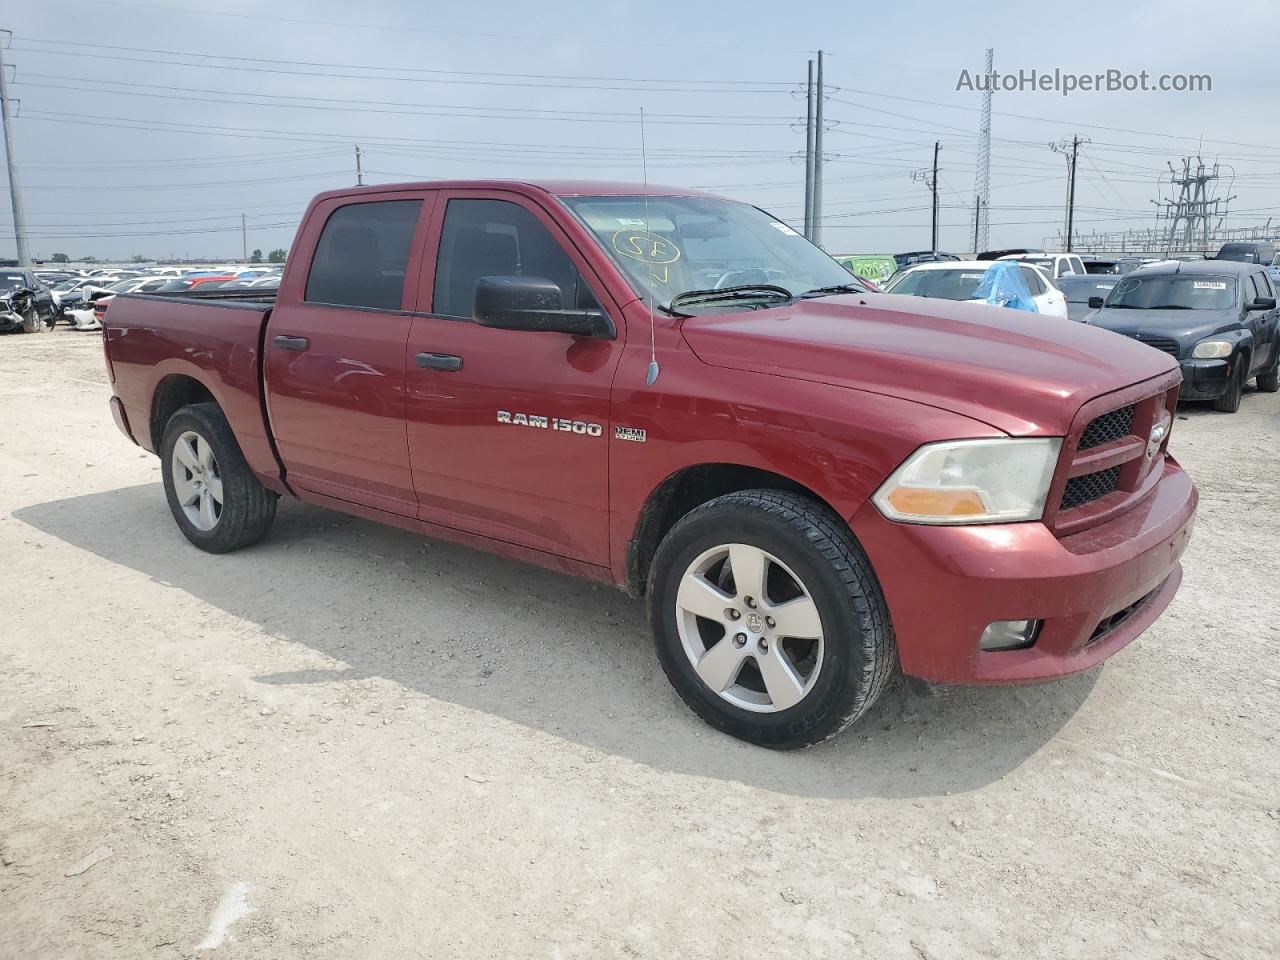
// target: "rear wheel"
[[1229, 402], [1269, 382], [215, 498], [768, 619]]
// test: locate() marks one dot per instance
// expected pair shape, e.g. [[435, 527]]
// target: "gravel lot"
[[348, 742]]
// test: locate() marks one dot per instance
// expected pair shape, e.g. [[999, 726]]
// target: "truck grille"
[[1163, 344], [1092, 486], [1105, 454], [1108, 428]]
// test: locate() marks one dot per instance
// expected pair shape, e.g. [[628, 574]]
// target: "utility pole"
[[1072, 153], [937, 145], [359, 168], [808, 156], [817, 158], [244, 238], [15, 191], [1071, 191]]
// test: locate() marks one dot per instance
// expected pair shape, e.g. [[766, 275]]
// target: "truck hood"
[[1022, 373], [1184, 326]]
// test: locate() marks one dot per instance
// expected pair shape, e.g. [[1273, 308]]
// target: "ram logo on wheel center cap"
[[754, 622]]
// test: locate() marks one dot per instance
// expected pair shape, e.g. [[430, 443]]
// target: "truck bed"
[[166, 349]]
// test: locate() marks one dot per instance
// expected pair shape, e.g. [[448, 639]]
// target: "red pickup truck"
[[813, 485]]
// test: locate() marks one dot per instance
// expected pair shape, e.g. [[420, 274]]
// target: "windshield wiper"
[[1170, 306], [836, 288], [747, 291]]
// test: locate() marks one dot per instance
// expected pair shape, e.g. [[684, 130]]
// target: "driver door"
[[509, 429]]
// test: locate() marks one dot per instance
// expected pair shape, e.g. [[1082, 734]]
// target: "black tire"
[[248, 508], [859, 650], [31, 322], [1229, 402], [1269, 382]]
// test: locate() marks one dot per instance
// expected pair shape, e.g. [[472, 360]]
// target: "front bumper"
[[944, 585], [1204, 379]]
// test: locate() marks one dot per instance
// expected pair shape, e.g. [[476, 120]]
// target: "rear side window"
[[1034, 284], [363, 254], [497, 238]]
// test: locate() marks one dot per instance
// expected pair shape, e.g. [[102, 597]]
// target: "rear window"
[[1079, 291], [363, 254], [941, 284]]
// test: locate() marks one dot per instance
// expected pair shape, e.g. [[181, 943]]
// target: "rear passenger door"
[[334, 351]]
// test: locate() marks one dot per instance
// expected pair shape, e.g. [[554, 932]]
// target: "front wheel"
[[215, 498], [768, 619], [31, 322]]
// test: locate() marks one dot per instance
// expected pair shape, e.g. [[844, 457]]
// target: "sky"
[[149, 128]]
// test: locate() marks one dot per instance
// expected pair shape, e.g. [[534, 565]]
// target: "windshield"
[[1240, 254], [122, 286], [943, 284], [703, 243], [11, 281], [1174, 292]]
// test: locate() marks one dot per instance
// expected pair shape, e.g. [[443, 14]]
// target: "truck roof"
[[557, 188]]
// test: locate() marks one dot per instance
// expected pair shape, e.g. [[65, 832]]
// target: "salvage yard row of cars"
[[35, 300]]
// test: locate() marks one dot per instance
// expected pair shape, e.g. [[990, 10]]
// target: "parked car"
[[997, 254], [1092, 266], [86, 314], [1217, 318], [1080, 290], [25, 303], [877, 267], [72, 290], [959, 280], [187, 283], [812, 485], [1252, 251], [905, 260], [1055, 264]]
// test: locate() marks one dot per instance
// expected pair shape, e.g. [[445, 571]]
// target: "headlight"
[[1212, 349], [972, 481]]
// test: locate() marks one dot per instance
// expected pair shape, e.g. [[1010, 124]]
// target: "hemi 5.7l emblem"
[[630, 433], [560, 424]]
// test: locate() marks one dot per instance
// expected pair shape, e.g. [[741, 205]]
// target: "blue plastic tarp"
[[1002, 286]]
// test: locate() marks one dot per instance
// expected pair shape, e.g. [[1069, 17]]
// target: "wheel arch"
[[173, 392], [690, 487]]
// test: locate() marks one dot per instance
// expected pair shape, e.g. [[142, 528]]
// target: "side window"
[[362, 255], [1255, 287], [1265, 285], [498, 238], [1078, 265], [1034, 283]]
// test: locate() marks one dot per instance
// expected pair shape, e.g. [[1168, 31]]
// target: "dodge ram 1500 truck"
[[812, 485]]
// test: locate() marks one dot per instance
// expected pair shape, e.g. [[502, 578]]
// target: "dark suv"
[[1218, 318]]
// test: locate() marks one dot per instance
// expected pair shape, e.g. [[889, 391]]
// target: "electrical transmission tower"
[[982, 178], [1189, 218]]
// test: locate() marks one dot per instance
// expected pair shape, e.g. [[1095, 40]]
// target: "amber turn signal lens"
[[936, 502]]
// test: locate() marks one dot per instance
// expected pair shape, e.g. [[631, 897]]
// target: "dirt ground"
[[348, 742]]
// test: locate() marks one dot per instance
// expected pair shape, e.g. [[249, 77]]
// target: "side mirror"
[[1095, 303], [533, 303], [1262, 303]]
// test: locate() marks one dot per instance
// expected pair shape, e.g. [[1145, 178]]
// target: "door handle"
[[297, 344], [438, 361]]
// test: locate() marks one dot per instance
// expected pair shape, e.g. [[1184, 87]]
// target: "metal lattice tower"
[[982, 179], [1192, 216]]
